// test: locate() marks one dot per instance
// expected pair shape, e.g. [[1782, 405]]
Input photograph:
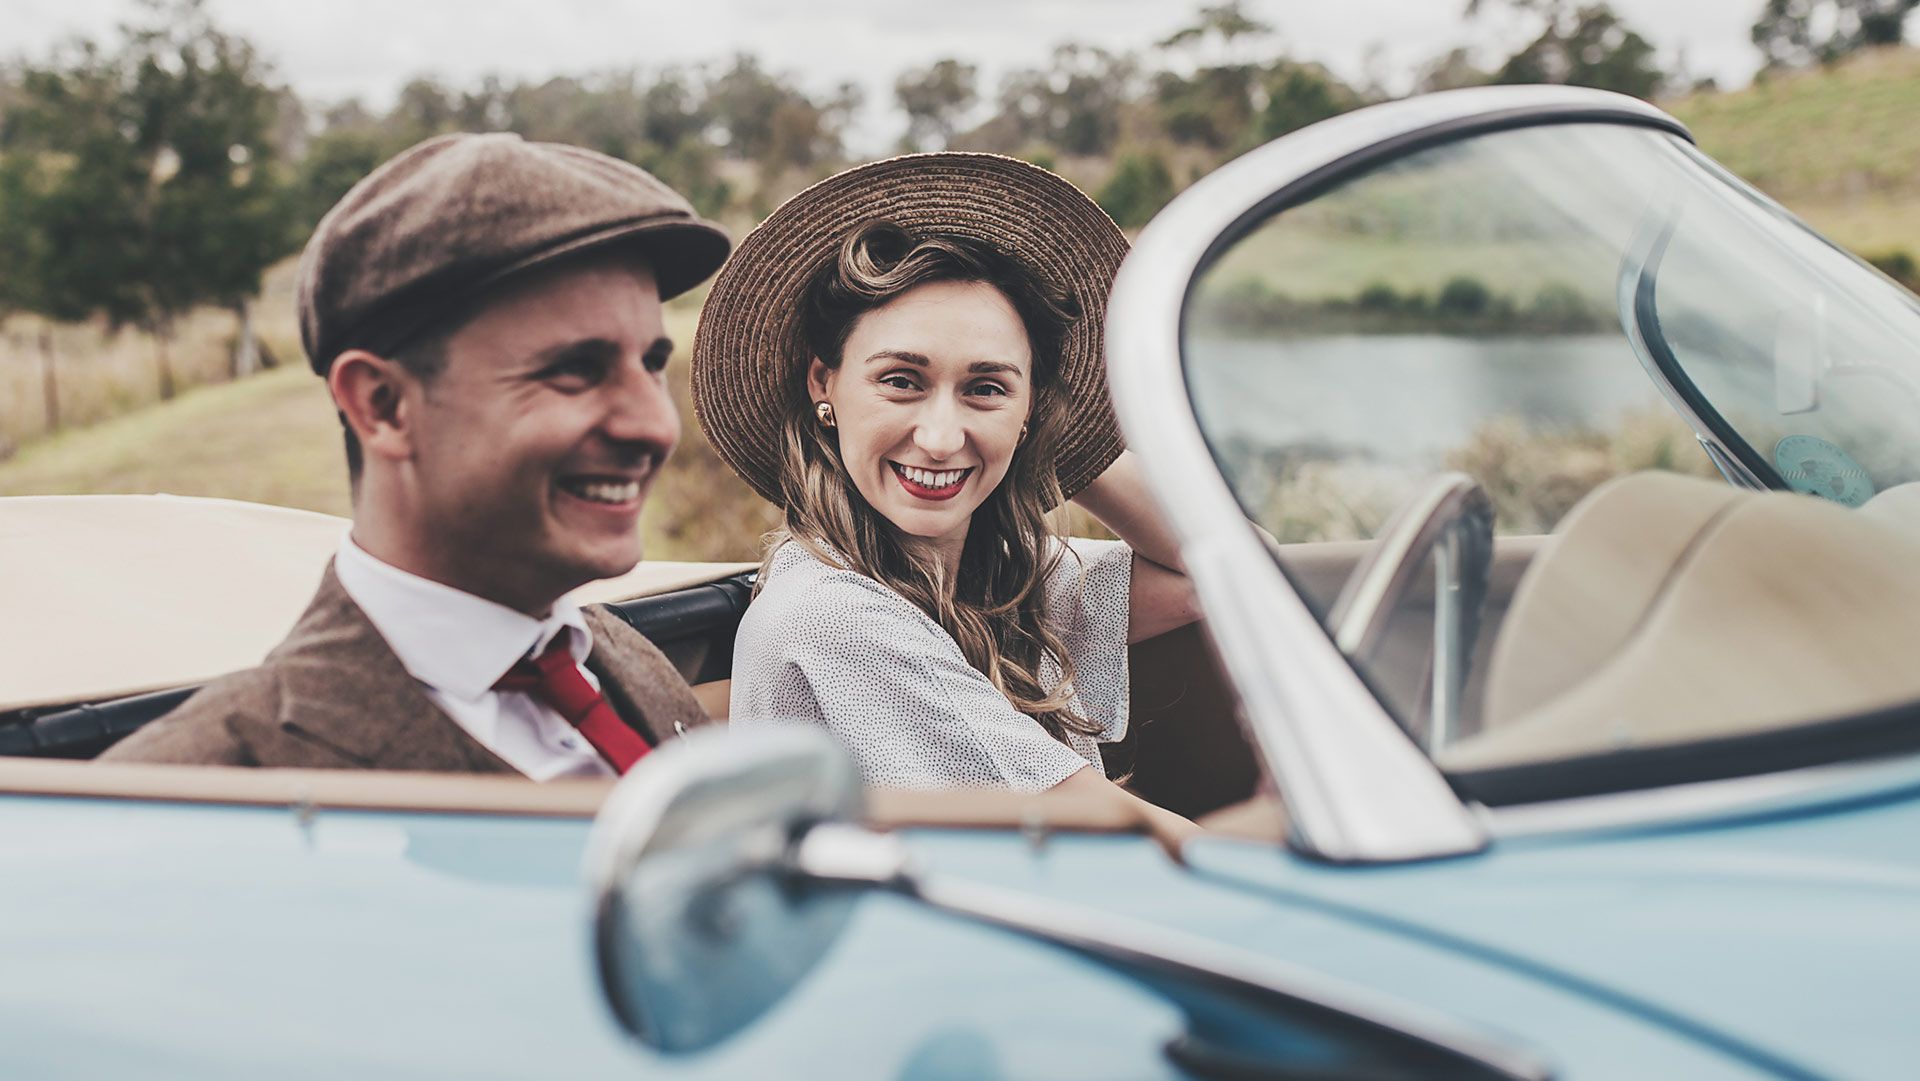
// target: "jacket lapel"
[[344, 690], [642, 685]]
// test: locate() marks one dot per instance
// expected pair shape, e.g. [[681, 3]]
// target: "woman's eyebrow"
[[989, 367], [916, 359]]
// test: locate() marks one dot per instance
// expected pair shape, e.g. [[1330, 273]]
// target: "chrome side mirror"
[[723, 872], [698, 927]]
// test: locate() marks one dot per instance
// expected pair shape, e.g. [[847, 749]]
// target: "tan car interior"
[[1664, 609], [1672, 609]]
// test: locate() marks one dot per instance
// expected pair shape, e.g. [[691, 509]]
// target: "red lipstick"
[[935, 495]]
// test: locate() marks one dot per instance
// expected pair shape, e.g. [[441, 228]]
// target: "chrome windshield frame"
[[1356, 787]]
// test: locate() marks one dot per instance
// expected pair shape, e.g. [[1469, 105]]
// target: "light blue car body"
[[172, 940]]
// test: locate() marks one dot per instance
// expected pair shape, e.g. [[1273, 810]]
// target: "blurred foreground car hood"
[[158, 940], [1792, 933]]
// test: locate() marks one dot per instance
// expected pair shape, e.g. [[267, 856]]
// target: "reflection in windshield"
[[1804, 365], [1495, 307]]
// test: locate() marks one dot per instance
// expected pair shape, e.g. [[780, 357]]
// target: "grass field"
[[269, 439], [102, 372], [1839, 147], [274, 439]]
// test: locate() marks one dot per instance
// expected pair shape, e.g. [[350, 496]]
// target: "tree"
[[1211, 104], [1452, 71], [1141, 184], [22, 187], [165, 191], [1581, 46], [934, 99], [764, 118], [1073, 104], [1213, 107], [671, 110], [1298, 95], [1795, 33], [336, 160], [742, 100], [425, 108], [1223, 27]]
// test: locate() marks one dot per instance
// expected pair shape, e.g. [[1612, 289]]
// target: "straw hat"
[[749, 359]]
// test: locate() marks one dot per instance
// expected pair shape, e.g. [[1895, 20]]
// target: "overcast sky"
[[331, 50]]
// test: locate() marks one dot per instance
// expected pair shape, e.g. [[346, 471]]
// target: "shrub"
[[1378, 297], [1899, 265], [1560, 306], [1464, 296], [1139, 187]]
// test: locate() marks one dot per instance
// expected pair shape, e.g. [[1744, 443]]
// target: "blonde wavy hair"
[[994, 605]]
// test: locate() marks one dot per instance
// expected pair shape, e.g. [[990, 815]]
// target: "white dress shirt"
[[458, 645]]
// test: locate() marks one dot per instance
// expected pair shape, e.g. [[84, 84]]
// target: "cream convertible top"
[[109, 595]]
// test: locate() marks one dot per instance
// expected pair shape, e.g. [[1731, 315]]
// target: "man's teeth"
[[606, 491], [929, 478]]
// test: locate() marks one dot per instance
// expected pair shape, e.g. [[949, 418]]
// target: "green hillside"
[[1840, 147]]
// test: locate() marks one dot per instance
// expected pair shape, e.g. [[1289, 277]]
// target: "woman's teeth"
[[929, 478], [605, 491]]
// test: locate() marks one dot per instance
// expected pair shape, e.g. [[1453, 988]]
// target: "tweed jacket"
[[334, 695]]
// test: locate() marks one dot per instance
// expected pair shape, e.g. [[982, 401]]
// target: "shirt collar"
[[448, 639]]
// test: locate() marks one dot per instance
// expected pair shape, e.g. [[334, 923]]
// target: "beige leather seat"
[[1671, 609]]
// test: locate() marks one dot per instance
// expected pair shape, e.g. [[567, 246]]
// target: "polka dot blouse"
[[836, 648]]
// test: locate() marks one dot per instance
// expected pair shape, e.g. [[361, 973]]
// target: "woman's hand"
[[1170, 829], [1161, 598]]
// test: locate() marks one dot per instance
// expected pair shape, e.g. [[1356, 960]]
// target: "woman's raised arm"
[[1161, 598]]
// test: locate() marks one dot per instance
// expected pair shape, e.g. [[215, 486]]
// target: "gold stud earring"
[[824, 411], [1023, 434]]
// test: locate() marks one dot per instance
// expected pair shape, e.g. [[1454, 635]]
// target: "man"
[[486, 312]]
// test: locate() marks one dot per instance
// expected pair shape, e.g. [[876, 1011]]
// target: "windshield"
[[1801, 364], [1514, 337]]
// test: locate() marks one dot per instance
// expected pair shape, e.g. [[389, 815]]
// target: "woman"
[[906, 358]]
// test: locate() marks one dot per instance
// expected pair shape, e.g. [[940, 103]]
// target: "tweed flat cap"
[[431, 229]]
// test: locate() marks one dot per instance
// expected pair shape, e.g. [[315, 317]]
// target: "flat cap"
[[428, 231]]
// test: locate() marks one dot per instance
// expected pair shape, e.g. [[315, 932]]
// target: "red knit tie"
[[553, 679]]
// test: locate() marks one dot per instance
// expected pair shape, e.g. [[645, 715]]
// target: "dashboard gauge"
[[1814, 466]]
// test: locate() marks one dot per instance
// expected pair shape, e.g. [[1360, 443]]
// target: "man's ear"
[[371, 393], [819, 379]]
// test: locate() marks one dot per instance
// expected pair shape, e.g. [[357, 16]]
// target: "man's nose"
[[938, 430], [640, 409]]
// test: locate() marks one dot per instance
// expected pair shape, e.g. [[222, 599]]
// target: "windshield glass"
[[1799, 362], [1421, 381]]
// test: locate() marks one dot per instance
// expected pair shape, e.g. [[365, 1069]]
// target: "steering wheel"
[[1450, 518]]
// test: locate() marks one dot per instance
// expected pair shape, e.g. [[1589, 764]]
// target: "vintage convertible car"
[[1527, 749]]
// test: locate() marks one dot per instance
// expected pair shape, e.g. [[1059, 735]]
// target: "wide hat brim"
[[749, 359]]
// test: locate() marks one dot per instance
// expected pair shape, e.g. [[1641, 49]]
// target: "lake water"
[[1408, 399]]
